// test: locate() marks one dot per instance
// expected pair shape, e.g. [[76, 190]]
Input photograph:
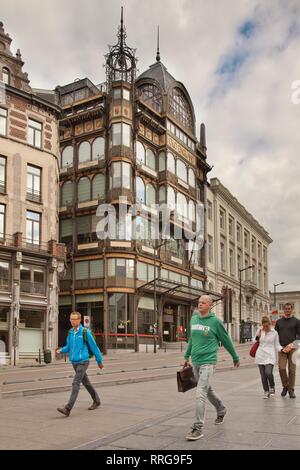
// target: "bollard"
[[146, 347], [165, 347], [65, 357], [40, 360], [181, 346]]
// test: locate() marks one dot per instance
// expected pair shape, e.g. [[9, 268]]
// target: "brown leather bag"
[[186, 379]]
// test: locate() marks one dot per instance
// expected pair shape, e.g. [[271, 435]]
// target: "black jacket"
[[288, 330]]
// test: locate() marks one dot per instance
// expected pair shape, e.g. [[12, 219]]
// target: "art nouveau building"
[[130, 143], [29, 253]]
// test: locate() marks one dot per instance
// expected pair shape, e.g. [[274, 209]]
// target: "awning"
[[176, 290]]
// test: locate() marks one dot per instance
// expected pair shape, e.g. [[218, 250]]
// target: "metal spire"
[[158, 53]]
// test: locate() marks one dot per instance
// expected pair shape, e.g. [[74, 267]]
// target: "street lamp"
[[240, 277], [155, 302], [275, 285]]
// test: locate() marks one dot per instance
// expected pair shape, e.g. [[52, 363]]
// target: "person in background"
[[288, 329], [266, 354]]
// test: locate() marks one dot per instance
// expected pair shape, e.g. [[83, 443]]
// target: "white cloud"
[[252, 126]]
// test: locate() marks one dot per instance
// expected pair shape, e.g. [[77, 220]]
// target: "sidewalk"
[[153, 415]]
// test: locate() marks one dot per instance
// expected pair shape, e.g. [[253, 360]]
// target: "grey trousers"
[[267, 377], [203, 375], [80, 376]]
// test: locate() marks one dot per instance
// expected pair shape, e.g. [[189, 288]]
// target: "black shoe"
[[94, 405], [65, 411], [284, 391], [292, 393], [220, 418]]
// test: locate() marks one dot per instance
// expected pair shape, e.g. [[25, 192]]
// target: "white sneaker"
[[266, 395]]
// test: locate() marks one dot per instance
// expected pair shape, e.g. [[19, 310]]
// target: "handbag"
[[253, 349], [186, 379]]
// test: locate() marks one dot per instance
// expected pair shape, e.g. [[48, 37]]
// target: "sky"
[[239, 60]]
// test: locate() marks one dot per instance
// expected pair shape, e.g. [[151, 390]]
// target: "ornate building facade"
[[30, 256], [131, 143]]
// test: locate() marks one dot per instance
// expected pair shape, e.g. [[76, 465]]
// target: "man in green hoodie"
[[205, 333]]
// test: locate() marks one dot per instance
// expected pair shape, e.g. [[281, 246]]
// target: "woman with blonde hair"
[[266, 354]]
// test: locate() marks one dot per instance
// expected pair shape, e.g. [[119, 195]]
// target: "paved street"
[[153, 415]]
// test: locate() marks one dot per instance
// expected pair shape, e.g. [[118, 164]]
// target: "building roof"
[[159, 73]]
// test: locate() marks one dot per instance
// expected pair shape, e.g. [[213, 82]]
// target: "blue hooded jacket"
[[77, 347]]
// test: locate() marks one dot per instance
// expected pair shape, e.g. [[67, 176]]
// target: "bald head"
[[204, 305]]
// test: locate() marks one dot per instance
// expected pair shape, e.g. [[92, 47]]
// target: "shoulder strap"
[[85, 335]]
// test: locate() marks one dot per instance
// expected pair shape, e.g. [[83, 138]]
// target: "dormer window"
[[5, 76]]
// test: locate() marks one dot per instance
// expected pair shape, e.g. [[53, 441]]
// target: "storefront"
[[31, 331]]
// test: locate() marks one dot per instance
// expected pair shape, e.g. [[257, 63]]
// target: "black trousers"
[[267, 378]]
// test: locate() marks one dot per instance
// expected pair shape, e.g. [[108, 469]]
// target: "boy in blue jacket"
[[79, 356]]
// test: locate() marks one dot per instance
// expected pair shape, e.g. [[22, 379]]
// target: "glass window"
[[84, 152], [65, 228], [171, 198], [210, 249], [5, 76], [151, 95], [34, 133], [116, 175], [98, 185], [67, 193], [117, 92], [222, 252], [150, 159], [2, 221], [33, 183], [192, 211], [3, 121], [222, 219], [67, 156], [140, 153], [231, 226], [171, 163], [126, 94], [84, 189], [209, 210], [238, 232], [246, 239], [2, 174], [33, 221], [126, 167], [38, 275], [96, 269], [140, 190], [162, 194], [162, 161], [150, 195], [192, 181], [182, 208], [126, 135], [231, 261], [180, 108], [81, 270], [116, 134], [98, 149], [4, 275], [181, 171]]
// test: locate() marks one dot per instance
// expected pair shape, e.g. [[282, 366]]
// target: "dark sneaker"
[[94, 405], [272, 391], [220, 418], [292, 393], [194, 434], [65, 411], [284, 391]]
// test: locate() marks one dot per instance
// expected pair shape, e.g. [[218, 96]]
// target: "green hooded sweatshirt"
[[205, 335]]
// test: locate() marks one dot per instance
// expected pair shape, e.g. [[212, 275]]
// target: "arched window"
[[171, 163], [181, 171], [67, 193], [5, 76], [84, 152], [150, 195], [67, 156], [192, 181], [140, 153], [98, 149], [140, 190], [150, 159], [171, 198], [98, 187], [180, 108], [182, 207], [84, 189], [162, 161], [151, 96]]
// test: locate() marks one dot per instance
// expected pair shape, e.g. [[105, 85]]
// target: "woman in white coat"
[[266, 355]]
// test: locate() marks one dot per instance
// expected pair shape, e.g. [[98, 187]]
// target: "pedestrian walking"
[[80, 342], [206, 331], [288, 328], [266, 354]]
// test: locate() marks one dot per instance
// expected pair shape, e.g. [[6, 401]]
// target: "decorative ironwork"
[[121, 60]]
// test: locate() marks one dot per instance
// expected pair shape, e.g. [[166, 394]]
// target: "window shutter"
[[82, 270], [84, 190], [66, 228], [67, 193], [98, 187], [96, 268]]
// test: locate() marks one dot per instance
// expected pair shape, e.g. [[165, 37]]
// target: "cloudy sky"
[[237, 58]]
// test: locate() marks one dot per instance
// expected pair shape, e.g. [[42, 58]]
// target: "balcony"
[[36, 288], [250, 286], [33, 195], [89, 283], [35, 245], [120, 151], [117, 193], [120, 282]]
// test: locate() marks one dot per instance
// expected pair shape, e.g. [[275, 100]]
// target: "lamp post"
[[275, 285], [155, 302], [240, 305]]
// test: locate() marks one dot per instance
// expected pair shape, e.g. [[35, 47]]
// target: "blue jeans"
[[80, 376], [203, 374]]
